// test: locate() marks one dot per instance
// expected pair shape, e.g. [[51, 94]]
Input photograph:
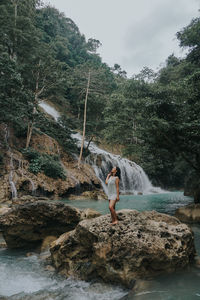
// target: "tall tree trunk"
[[29, 134], [37, 93], [84, 121]]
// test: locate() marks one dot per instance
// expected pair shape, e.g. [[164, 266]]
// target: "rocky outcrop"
[[141, 245], [78, 180], [29, 223], [93, 195], [189, 213]]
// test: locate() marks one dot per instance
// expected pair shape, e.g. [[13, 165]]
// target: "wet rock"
[[28, 254], [3, 245], [50, 268], [141, 245], [189, 213], [29, 223], [4, 210], [47, 242]]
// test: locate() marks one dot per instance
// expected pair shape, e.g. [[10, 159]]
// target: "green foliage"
[[102, 85], [189, 37], [154, 117], [48, 164], [35, 165], [30, 153], [52, 168], [60, 131], [13, 96]]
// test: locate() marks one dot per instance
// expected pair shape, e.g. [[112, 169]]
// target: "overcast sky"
[[133, 33]]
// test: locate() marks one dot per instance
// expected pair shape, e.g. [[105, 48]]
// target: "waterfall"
[[50, 110], [10, 177], [134, 180]]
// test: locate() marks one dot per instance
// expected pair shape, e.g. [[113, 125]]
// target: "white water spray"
[[50, 110], [133, 178]]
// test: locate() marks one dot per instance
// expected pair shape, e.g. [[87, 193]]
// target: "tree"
[[93, 45], [13, 96], [189, 38], [85, 117], [100, 86]]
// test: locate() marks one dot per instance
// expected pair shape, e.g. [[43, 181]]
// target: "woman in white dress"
[[112, 181]]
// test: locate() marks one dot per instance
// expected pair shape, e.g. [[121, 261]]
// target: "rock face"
[[189, 213], [78, 180], [92, 195], [141, 245], [26, 225]]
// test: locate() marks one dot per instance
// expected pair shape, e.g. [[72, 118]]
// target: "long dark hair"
[[118, 173]]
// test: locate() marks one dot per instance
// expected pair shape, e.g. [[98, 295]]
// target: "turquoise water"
[[25, 278], [165, 203]]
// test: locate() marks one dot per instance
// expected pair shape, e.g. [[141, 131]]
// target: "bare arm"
[[117, 187], [109, 174]]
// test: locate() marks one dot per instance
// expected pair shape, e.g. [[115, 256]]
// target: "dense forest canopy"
[[152, 117]]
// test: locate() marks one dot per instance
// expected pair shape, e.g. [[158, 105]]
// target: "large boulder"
[[141, 245], [189, 213], [28, 223]]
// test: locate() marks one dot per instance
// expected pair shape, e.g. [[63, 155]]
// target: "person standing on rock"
[[112, 180]]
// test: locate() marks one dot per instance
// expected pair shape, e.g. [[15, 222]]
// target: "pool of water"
[[26, 278], [164, 203]]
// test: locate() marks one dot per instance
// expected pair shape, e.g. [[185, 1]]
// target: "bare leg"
[[112, 211]]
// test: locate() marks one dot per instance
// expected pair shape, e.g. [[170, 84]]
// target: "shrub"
[[48, 164], [35, 165], [31, 153], [53, 169]]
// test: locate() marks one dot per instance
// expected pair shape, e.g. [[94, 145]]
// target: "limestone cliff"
[[14, 163]]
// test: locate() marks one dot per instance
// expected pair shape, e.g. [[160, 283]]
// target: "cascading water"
[[134, 180], [50, 110], [11, 182]]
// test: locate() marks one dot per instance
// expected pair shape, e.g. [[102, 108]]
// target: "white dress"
[[112, 189]]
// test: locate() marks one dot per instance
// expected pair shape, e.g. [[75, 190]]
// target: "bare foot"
[[114, 223]]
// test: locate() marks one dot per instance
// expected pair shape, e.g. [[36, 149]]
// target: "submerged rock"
[[29, 223], [141, 245], [189, 213]]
